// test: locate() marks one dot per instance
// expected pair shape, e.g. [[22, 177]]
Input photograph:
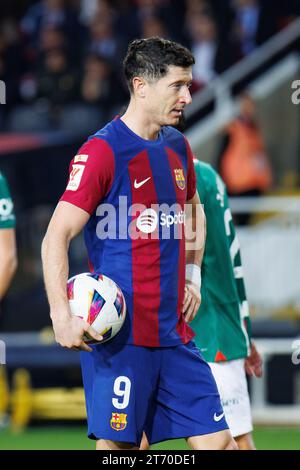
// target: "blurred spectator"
[[96, 86], [52, 38], [11, 60], [104, 41], [88, 9], [44, 13], [100, 85], [57, 82], [101, 95], [197, 7], [219, 32], [50, 13], [212, 56], [55, 85], [105, 10], [255, 22], [246, 27], [243, 163], [168, 12], [154, 27], [204, 47], [146, 8]]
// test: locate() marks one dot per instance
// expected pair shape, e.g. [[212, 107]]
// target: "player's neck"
[[140, 123]]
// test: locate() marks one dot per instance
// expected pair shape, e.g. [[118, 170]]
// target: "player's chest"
[[155, 176]]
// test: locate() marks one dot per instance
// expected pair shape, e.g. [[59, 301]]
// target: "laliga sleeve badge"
[[75, 177], [118, 421]]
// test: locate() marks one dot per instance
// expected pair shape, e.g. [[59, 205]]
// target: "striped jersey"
[[135, 190]]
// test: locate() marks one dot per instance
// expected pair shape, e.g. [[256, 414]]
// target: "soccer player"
[[8, 252], [150, 376], [222, 325]]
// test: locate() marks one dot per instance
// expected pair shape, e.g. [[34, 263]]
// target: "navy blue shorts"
[[167, 392]]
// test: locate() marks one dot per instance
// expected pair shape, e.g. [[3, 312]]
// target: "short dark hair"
[[150, 58]]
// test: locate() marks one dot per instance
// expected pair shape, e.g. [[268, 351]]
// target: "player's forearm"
[[7, 271], [195, 256], [197, 234], [8, 257], [56, 270]]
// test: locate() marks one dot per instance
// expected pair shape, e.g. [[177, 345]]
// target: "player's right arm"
[[91, 176], [66, 222]]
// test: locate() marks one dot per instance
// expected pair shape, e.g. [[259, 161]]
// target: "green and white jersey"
[[222, 325], [7, 216]]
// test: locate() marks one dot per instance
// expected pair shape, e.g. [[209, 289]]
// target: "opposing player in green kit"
[[222, 325], [8, 252]]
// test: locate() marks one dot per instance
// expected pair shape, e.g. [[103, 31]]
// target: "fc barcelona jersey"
[[135, 191]]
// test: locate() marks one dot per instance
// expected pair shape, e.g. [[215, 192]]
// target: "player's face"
[[167, 97]]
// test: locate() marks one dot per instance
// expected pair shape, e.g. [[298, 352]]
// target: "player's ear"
[[139, 85]]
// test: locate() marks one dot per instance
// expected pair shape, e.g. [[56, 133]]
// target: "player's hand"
[[69, 332], [191, 301], [253, 363]]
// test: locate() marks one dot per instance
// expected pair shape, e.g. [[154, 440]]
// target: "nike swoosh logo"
[[138, 185], [218, 418]]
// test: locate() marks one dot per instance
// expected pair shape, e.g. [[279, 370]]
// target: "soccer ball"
[[98, 300]]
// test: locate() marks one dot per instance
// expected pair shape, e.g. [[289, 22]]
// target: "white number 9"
[[124, 394]]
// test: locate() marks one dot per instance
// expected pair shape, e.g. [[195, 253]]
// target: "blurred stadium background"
[[61, 63]]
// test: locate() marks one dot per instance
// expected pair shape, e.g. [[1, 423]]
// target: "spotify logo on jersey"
[[147, 221]]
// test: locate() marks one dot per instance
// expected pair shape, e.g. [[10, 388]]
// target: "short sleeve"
[[7, 216], [191, 177], [91, 175]]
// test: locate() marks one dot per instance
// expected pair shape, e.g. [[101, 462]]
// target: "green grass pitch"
[[74, 437]]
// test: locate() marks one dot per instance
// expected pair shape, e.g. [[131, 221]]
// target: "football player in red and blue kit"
[[128, 187]]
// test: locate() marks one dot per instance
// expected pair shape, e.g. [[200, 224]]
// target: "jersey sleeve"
[[7, 216], [191, 177], [91, 174]]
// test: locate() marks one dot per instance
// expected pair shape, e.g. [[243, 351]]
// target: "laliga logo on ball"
[[147, 221]]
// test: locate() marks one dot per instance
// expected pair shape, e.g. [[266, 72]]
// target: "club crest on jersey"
[[179, 178], [118, 421]]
